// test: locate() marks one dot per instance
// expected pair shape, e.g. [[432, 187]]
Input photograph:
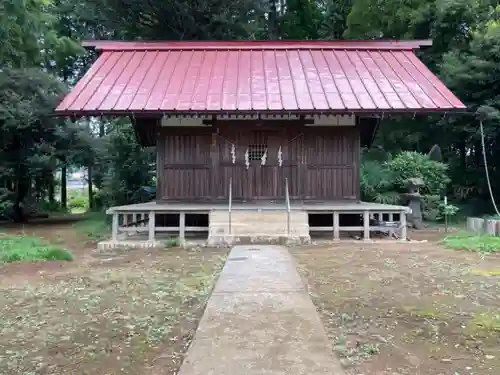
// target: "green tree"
[[28, 35], [32, 139], [474, 72], [178, 20], [334, 18], [28, 134], [301, 20], [128, 166]]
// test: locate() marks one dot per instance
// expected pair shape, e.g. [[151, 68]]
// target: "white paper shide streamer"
[[263, 159], [247, 159], [233, 153], [280, 157]]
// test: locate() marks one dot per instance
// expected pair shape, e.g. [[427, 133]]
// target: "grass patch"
[[26, 248], [472, 242], [488, 322], [94, 226], [352, 352], [487, 273], [172, 242], [431, 313]]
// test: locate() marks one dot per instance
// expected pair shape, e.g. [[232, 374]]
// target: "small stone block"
[[476, 224], [491, 227]]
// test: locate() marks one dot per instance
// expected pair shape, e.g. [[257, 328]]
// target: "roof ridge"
[[116, 45]]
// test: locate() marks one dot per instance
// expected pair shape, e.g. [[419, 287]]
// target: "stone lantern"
[[413, 200]]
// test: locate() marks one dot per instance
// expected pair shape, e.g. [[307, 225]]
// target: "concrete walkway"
[[260, 320]]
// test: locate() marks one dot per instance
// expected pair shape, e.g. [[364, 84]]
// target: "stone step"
[[228, 241], [258, 227]]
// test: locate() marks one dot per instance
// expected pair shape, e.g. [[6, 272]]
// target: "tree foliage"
[[40, 54], [28, 136], [128, 167], [384, 179]]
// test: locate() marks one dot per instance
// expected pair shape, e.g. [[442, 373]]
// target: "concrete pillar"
[[336, 226], [366, 225], [182, 228], [114, 227], [151, 227]]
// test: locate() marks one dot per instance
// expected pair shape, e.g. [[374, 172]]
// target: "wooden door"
[[263, 170], [248, 156]]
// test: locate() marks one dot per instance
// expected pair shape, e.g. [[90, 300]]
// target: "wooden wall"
[[332, 163], [184, 167], [320, 163]]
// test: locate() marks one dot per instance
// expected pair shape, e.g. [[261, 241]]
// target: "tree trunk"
[[64, 192], [91, 193], [51, 192], [98, 168], [22, 189]]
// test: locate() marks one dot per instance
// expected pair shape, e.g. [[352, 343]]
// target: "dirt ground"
[[412, 308], [119, 312]]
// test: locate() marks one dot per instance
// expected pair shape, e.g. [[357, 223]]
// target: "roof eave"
[[158, 113]]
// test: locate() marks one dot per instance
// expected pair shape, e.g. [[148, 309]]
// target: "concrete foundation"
[[245, 223]]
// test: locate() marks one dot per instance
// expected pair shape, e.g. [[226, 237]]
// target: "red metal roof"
[[302, 76]]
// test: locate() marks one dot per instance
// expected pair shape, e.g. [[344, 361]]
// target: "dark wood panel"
[[187, 149], [319, 163], [293, 174], [187, 166], [328, 183], [267, 183], [243, 181], [332, 159], [187, 171], [186, 183]]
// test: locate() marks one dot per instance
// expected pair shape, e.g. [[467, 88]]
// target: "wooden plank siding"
[[196, 164], [184, 166], [332, 160]]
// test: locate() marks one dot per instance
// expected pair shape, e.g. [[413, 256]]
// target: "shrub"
[[78, 203], [78, 200], [384, 181], [377, 183], [171, 242], [430, 207], [410, 164], [46, 206]]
